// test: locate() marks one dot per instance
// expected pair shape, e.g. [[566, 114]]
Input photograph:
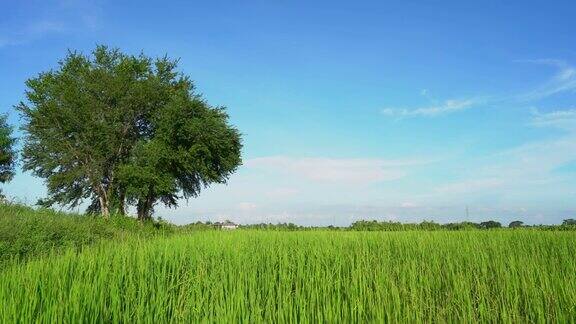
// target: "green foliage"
[[79, 122], [191, 147], [516, 224], [197, 226], [461, 226], [374, 225], [490, 224], [275, 227], [117, 129], [7, 153], [520, 276], [27, 233]]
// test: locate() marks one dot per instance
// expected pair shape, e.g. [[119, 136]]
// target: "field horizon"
[[263, 276]]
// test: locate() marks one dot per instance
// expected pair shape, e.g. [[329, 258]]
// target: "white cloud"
[[563, 119], [282, 192], [408, 204], [344, 171], [448, 106], [40, 28], [527, 169], [468, 186], [88, 12], [247, 206], [563, 81], [32, 31], [64, 16]]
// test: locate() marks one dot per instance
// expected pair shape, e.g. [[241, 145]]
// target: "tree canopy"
[[569, 222], [7, 153], [119, 129], [490, 224], [516, 224]]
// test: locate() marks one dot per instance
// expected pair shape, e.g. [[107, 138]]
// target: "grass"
[[27, 233], [317, 276]]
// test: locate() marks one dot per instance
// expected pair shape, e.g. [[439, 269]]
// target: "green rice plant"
[[315, 276], [26, 232]]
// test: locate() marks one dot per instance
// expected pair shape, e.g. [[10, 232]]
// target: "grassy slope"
[[494, 276], [27, 233]]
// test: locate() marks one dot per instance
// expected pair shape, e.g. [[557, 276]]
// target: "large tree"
[[7, 153], [88, 124]]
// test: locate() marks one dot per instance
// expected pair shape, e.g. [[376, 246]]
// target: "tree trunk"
[[104, 202], [104, 208], [122, 202], [144, 207], [141, 210]]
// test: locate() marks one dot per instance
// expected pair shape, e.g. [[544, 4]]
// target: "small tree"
[[7, 153], [429, 225], [516, 224], [490, 224], [569, 222]]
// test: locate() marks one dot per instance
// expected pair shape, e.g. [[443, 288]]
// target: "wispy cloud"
[[57, 17], [563, 81], [282, 192], [88, 12], [43, 27], [448, 106], [469, 186], [247, 206], [524, 169], [563, 119], [31, 32], [528, 168], [329, 170]]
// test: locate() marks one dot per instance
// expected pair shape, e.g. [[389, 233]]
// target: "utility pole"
[[467, 214]]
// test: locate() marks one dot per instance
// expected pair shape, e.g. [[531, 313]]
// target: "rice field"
[[256, 276]]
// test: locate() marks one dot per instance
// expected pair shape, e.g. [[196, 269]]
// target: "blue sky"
[[391, 110]]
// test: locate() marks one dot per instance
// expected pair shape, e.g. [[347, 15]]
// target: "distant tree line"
[[278, 226], [567, 224], [373, 225]]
